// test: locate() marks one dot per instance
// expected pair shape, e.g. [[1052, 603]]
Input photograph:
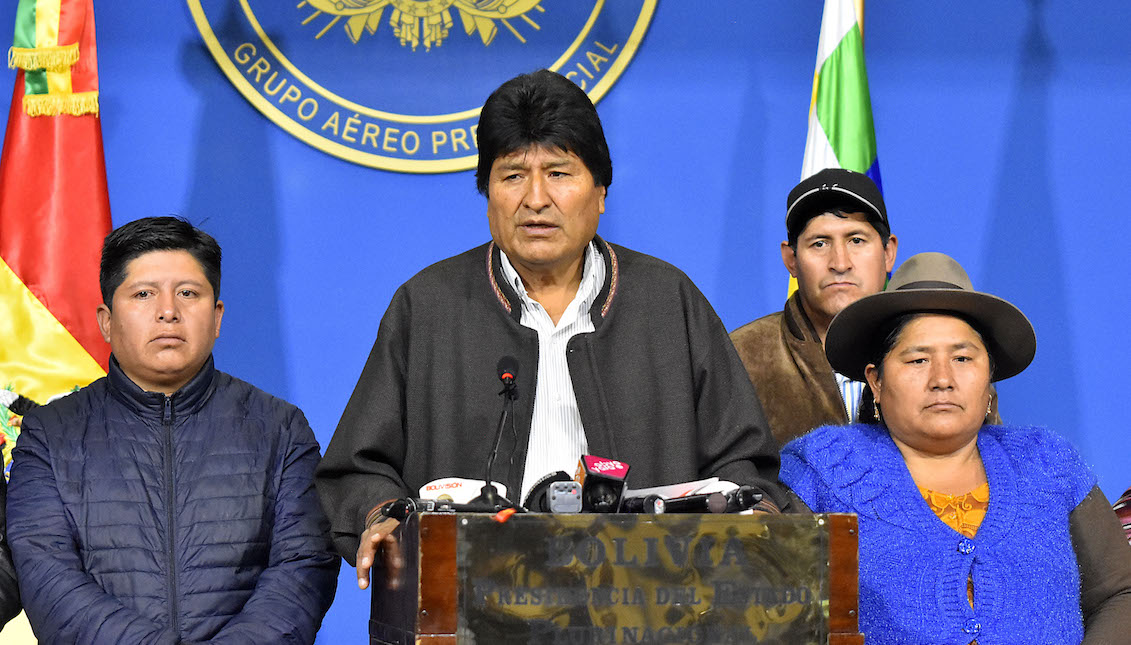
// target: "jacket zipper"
[[170, 503]]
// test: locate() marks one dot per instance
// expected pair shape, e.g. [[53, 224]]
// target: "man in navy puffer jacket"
[[168, 502]]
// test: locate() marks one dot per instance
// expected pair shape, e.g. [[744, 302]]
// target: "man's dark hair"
[[139, 237], [881, 226], [543, 109]]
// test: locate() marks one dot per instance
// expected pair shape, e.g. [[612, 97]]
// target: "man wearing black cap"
[[840, 249]]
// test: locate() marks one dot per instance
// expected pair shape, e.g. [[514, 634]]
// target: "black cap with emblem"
[[833, 189]]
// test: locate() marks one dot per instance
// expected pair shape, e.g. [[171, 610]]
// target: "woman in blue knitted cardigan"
[[968, 532]]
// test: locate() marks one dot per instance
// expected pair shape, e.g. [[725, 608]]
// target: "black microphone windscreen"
[[507, 368]]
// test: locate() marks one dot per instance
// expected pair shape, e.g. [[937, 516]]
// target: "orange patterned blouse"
[[963, 513]]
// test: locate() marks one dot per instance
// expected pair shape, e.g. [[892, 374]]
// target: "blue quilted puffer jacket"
[[135, 517]]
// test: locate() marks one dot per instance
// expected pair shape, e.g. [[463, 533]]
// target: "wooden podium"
[[543, 579]]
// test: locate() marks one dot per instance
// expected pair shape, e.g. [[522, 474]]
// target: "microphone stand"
[[489, 496]]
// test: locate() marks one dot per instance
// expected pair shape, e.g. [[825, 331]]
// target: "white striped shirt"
[[557, 438], [850, 392]]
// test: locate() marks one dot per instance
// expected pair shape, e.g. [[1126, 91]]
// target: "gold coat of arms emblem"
[[397, 84]]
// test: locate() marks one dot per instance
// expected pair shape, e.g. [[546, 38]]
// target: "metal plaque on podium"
[[621, 579]]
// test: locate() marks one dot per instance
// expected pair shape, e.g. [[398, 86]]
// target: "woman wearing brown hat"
[[968, 532]]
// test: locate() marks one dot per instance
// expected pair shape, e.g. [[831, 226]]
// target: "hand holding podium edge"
[[378, 536]]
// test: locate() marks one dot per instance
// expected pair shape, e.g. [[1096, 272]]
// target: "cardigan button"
[[965, 546], [972, 627]]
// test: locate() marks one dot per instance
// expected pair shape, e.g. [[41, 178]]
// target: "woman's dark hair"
[[139, 237], [887, 335], [542, 109]]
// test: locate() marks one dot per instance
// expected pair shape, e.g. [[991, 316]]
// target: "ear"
[[219, 313], [601, 200], [872, 376], [789, 258], [103, 313], [889, 253]]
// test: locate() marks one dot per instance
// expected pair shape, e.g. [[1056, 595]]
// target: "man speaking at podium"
[[618, 354]]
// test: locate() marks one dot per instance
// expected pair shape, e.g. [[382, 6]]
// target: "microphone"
[[743, 498], [652, 504], [400, 509], [554, 493], [655, 504], [538, 499], [565, 497], [508, 371], [489, 498], [702, 503], [602, 483]]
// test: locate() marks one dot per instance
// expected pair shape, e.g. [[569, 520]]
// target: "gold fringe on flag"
[[55, 104], [53, 59]]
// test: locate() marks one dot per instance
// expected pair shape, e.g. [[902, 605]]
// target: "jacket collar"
[[796, 322], [510, 301], [190, 398]]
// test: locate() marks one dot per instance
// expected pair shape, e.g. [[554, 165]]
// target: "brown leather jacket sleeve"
[[794, 503], [1104, 558]]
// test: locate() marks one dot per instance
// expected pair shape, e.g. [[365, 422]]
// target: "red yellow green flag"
[[54, 208]]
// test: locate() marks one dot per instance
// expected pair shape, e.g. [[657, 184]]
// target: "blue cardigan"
[[914, 568]]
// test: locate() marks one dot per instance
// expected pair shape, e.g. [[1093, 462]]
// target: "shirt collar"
[[592, 275]]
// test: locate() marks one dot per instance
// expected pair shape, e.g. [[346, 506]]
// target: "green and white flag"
[[841, 134]]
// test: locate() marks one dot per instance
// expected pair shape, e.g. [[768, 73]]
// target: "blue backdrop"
[[1002, 130]]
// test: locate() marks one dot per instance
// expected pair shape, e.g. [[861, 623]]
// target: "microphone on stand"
[[489, 498]]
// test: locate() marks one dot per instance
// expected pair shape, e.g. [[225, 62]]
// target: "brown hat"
[[930, 283]]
